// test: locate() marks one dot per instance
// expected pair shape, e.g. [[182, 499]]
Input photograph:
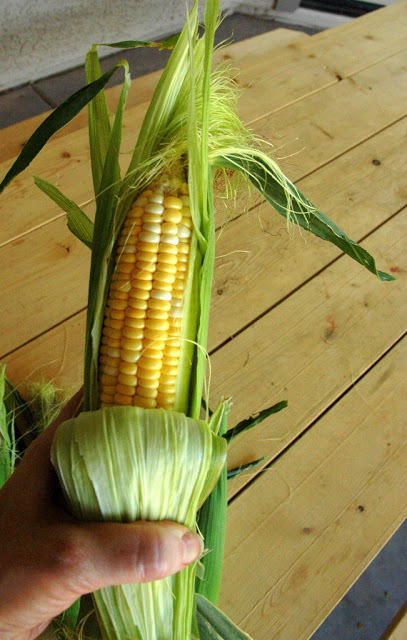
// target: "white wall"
[[42, 37]]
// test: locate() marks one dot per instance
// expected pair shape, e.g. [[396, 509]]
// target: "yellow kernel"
[[169, 248], [187, 222], [146, 403], [139, 294], [182, 267], [152, 364], [182, 258], [128, 257], [135, 323], [136, 211], [152, 353], [113, 342], [148, 384], [152, 217], [128, 380], [184, 188], [157, 324], [149, 247], [166, 258], [146, 256], [162, 286], [125, 267], [147, 393], [143, 265], [167, 380], [128, 368], [133, 333], [165, 401], [105, 379], [129, 356], [142, 285], [157, 313], [169, 227], [164, 276], [169, 370], [156, 345], [111, 333], [110, 370], [110, 390], [174, 342], [134, 314], [172, 215], [185, 201], [148, 374], [126, 390], [123, 399], [117, 304], [141, 201], [113, 352], [121, 285], [163, 305], [171, 202], [117, 315], [131, 344], [183, 247], [166, 268], [147, 193], [170, 361], [150, 334], [173, 352], [177, 294], [142, 274], [116, 324], [136, 304], [106, 398], [118, 295]]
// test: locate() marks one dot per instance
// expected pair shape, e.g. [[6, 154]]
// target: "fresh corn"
[[140, 345]]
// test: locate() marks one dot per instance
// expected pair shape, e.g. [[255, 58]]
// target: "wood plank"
[[375, 91], [243, 52], [353, 46], [311, 347], [304, 531], [340, 189], [358, 190]]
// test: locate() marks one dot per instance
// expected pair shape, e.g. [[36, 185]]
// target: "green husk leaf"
[[288, 201], [169, 43], [70, 616], [158, 471], [98, 119], [6, 447], [104, 235], [78, 222], [55, 121], [233, 473], [251, 422], [212, 520], [215, 625]]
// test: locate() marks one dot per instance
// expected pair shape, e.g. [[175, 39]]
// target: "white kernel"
[[128, 248], [161, 295], [168, 239], [177, 303], [149, 236], [157, 198], [183, 232], [154, 207], [175, 312], [151, 226]]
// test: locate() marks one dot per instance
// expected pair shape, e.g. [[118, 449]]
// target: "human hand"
[[48, 559]]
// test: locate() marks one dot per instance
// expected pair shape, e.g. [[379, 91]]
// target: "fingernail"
[[193, 547]]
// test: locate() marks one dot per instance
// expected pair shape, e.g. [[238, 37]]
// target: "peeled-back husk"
[[124, 464]]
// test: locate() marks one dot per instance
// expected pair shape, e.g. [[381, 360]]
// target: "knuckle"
[[66, 555]]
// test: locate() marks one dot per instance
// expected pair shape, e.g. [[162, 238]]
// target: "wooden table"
[[292, 318]]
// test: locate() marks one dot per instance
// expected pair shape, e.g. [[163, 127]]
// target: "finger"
[[113, 554]]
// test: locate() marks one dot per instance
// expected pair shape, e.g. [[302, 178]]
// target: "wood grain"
[[301, 534]]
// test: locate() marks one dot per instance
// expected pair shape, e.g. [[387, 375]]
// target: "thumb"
[[137, 552]]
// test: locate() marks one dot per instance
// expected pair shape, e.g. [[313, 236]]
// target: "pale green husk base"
[[125, 464]]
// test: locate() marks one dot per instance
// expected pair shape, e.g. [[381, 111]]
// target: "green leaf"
[[211, 520], [169, 43], [6, 458], [233, 473], [78, 222], [215, 625], [98, 120], [106, 227], [55, 121], [251, 422], [70, 616], [291, 203]]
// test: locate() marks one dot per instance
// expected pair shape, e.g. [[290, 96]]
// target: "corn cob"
[[140, 344]]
